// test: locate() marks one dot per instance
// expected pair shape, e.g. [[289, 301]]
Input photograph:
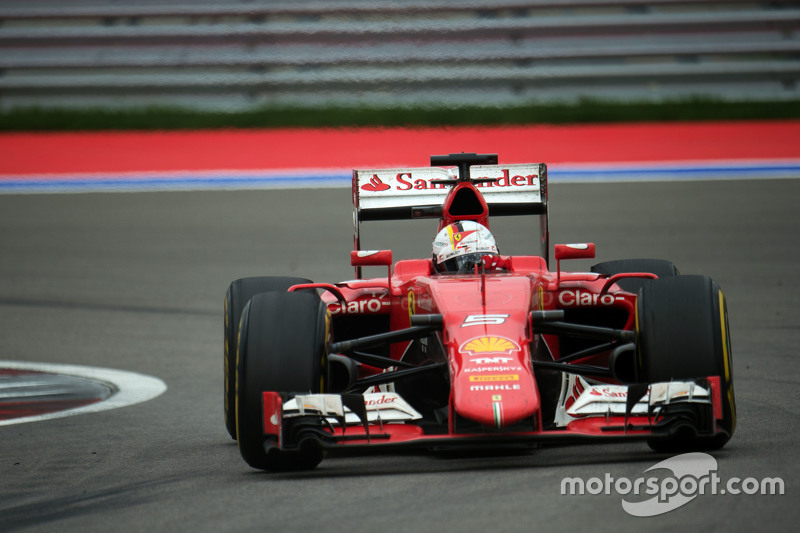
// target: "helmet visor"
[[463, 264]]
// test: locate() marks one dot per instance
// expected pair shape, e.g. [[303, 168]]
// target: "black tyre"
[[283, 348], [659, 267], [239, 293], [683, 333]]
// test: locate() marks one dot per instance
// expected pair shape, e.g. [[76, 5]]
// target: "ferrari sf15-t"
[[507, 353]]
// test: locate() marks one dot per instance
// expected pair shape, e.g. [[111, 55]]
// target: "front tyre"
[[683, 330], [238, 294], [282, 348]]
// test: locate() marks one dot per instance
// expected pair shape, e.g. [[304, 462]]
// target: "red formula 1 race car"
[[472, 348]]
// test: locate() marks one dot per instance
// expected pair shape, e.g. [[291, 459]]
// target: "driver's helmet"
[[459, 247]]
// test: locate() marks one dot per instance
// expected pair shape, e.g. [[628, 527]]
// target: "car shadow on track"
[[452, 461]]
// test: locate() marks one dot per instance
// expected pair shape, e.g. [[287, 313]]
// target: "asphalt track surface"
[[136, 282]]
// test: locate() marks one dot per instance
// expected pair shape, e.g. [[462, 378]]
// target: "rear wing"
[[410, 193], [407, 193]]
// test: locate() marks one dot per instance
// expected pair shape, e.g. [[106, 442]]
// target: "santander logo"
[[607, 393], [375, 185], [427, 180]]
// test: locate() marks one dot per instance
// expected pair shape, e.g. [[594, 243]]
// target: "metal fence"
[[213, 54]]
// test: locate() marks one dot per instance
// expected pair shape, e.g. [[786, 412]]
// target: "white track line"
[[130, 388]]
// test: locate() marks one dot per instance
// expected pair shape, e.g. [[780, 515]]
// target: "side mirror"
[[583, 250], [574, 251], [362, 258]]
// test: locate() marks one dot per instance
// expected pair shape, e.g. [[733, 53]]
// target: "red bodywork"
[[488, 342], [487, 336]]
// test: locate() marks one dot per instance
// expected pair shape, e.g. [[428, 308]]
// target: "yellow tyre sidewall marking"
[[227, 369], [727, 360], [638, 333], [236, 378], [323, 358]]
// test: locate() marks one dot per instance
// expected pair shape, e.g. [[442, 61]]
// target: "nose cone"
[[493, 384]]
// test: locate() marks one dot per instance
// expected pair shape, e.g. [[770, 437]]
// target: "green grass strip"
[[587, 111]]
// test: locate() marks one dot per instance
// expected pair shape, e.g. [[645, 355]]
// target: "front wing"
[[385, 421]]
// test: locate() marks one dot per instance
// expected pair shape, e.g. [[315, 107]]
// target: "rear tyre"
[[659, 267], [283, 348], [682, 324], [239, 293]]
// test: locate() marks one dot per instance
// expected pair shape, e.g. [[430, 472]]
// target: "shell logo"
[[481, 345]]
